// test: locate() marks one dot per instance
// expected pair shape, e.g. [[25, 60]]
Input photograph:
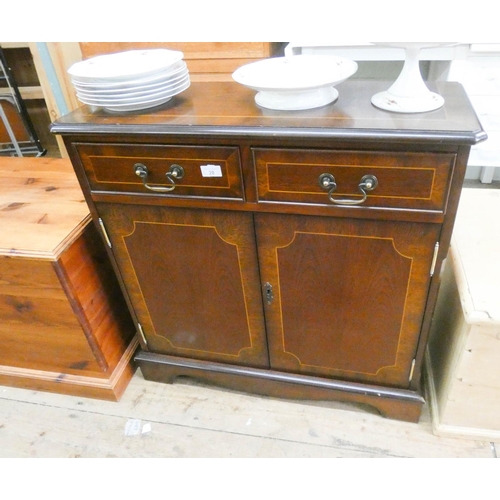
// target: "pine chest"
[[64, 326]]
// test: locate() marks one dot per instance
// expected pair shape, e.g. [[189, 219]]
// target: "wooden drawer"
[[404, 180], [212, 172]]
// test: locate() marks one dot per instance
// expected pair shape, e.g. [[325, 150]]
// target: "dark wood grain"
[[349, 295], [227, 109], [405, 180], [193, 279], [110, 167]]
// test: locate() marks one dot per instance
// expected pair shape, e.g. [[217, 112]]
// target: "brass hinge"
[[412, 369], [434, 258], [141, 333], [106, 237]]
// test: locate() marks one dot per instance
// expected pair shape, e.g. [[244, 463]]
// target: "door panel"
[[348, 295], [192, 277]]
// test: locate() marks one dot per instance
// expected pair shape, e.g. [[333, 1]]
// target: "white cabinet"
[[480, 77], [462, 367]]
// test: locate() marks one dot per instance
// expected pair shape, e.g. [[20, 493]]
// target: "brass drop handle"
[[366, 184], [175, 172]]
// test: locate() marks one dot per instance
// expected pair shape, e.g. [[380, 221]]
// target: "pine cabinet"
[[291, 254]]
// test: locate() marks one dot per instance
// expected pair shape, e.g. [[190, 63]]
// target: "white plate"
[[131, 91], [296, 82], [134, 99], [124, 65], [136, 107], [145, 103], [176, 69]]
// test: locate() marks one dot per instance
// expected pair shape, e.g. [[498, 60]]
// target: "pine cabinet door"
[[346, 296], [192, 279]]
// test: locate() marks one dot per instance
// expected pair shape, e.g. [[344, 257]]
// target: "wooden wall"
[[207, 61]]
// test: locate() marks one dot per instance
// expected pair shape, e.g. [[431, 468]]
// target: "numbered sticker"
[[211, 171]]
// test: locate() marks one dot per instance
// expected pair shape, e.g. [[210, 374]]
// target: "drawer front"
[[206, 171], [402, 180]]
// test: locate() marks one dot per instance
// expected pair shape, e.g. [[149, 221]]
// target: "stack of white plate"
[[131, 80]]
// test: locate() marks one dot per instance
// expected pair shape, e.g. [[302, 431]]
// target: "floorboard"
[[196, 421]]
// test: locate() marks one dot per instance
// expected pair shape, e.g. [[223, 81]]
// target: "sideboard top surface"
[[228, 108]]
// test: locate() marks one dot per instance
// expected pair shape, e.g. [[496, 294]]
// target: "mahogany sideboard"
[[288, 253]]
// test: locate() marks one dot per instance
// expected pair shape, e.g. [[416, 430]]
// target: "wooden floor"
[[190, 420]]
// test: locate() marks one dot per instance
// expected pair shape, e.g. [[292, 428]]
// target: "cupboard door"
[[192, 279], [348, 296]]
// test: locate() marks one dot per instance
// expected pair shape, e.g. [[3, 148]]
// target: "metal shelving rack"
[[17, 134]]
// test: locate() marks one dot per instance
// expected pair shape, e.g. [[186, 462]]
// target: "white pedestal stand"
[[409, 94]]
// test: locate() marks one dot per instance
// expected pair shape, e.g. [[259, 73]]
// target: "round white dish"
[[409, 93], [296, 82], [124, 65]]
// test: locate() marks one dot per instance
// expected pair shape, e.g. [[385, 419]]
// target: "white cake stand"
[[409, 93]]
